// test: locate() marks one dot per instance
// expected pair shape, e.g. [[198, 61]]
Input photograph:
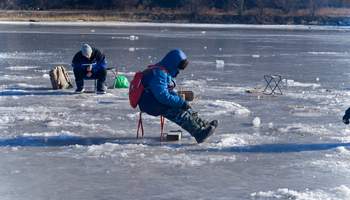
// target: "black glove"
[[185, 106], [346, 117]]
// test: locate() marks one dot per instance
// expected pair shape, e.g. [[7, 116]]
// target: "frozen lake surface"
[[58, 145]]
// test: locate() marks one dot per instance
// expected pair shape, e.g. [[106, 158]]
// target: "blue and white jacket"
[[159, 82]]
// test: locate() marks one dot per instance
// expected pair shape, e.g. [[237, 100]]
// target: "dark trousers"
[[187, 119], [80, 75]]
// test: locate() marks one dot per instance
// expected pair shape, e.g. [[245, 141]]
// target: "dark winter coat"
[[159, 83], [97, 60]]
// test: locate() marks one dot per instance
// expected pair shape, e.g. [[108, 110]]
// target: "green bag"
[[121, 82]]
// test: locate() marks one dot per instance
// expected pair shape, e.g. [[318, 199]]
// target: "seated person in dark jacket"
[[89, 63], [159, 98]]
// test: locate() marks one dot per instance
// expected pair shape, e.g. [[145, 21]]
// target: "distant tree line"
[[185, 5]]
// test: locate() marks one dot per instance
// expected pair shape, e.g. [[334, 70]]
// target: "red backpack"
[[136, 87]]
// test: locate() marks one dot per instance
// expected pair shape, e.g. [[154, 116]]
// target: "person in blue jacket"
[[159, 98], [89, 63]]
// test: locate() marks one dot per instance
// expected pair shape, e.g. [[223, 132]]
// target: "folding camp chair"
[[273, 84]]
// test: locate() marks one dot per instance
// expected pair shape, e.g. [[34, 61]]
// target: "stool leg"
[[162, 121], [268, 85], [140, 126]]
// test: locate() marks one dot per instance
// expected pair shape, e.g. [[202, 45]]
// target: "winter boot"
[[191, 122]]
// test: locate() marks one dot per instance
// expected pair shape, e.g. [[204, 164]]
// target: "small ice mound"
[[132, 49], [205, 47], [133, 37], [220, 49], [220, 63], [256, 56], [317, 79], [92, 31], [203, 32], [256, 122]]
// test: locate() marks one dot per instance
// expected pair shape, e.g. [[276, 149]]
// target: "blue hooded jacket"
[[159, 96]]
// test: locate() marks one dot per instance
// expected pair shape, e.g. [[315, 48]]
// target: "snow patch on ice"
[[25, 85], [292, 83], [221, 107], [190, 160], [306, 129], [15, 77], [325, 53], [36, 55], [219, 63], [21, 68], [338, 193], [230, 140], [49, 134], [194, 83]]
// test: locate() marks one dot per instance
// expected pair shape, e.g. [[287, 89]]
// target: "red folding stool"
[[140, 127]]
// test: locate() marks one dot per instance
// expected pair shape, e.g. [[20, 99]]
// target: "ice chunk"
[[133, 37], [256, 122], [270, 125], [203, 32], [220, 63], [46, 76], [256, 56], [205, 47], [132, 49]]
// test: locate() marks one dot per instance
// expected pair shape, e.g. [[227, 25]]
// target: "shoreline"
[[175, 25], [322, 18]]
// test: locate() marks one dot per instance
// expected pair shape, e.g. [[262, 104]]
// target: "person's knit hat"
[[86, 50]]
